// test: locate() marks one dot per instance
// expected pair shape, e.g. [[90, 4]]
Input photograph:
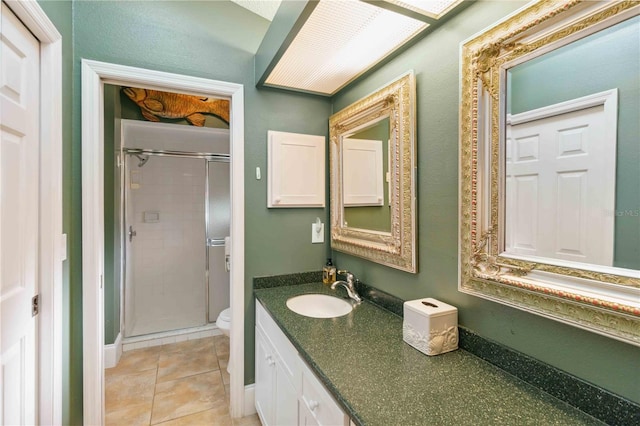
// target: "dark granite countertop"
[[380, 380]]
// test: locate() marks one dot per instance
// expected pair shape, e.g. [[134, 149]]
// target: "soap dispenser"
[[329, 273]]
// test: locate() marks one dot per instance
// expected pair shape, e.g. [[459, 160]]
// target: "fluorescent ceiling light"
[[339, 41], [431, 8]]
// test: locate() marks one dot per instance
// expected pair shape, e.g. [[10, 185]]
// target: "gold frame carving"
[[599, 299], [397, 248]]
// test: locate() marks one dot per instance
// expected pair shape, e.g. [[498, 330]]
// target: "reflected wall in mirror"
[[372, 176], [550, 164]]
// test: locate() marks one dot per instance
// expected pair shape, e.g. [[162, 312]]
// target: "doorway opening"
[[94, 76]]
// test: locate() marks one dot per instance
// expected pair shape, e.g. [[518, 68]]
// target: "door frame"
[[94, 75], [51, 239]]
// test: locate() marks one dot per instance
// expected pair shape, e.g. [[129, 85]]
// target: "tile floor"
[[182, 383]]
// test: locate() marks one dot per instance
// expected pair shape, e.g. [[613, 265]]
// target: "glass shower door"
[[165, 243], [218, 214]]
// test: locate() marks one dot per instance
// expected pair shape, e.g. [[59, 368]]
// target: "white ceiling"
[[265, 8]]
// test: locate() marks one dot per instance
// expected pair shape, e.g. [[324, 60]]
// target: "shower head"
[[143, 159]]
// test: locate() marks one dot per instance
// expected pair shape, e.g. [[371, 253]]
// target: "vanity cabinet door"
[[265, 380], [306, 416], [317, 406], [286, 396], [276, 369]]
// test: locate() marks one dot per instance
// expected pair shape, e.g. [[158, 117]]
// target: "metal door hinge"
[[35, 308]]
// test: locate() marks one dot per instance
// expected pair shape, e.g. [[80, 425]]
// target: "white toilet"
[[224, 324], [224, 321]]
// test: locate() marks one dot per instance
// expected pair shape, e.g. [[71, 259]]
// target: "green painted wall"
[[605, 60], [599, 360]]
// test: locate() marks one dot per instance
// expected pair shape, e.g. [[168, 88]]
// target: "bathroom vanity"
[[356, 368], [287, 392]]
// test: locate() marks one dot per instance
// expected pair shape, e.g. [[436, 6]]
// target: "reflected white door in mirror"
[[549, 164], [560, 181]]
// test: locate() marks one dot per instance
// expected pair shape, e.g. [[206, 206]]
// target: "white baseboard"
[[168, 337], [113, 352], [249, 400]]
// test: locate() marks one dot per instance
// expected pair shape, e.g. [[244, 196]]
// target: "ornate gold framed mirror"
[[373, 203], [549, 164]]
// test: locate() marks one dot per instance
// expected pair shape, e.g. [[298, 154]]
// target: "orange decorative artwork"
[[154, 104]]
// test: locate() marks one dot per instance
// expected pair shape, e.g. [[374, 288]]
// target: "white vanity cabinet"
[[276, 365], [286, 391]]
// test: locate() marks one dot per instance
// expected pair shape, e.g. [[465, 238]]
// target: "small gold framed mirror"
[[373, 203]]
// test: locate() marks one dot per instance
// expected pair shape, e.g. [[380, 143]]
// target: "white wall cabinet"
[[296, 170], [287, 392], [362, 173]]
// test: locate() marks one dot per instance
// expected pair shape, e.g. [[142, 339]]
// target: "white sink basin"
[[319, 306]]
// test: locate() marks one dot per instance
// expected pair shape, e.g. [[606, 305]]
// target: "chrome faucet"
[[348, 285]]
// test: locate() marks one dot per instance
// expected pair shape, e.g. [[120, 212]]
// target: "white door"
[[19, 169], [561, 186]]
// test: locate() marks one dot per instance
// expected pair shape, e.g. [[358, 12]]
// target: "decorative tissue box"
[[430, 326]]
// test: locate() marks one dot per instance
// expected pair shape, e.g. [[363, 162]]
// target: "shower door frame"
[[207, 158], [94, 75]]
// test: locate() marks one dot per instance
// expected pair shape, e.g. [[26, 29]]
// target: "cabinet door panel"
[[286, 412], [306, 418], [319, 402], [265, 380]]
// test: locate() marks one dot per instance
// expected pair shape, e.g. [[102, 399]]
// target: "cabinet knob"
[[270, 360], [313, 404]]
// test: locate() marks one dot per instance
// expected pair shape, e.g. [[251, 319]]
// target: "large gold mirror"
[[373, 208], [550, 164]]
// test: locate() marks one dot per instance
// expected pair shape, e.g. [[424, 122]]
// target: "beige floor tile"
[[136, 361], [190, 346], [222, 346], [252, 420], [213, 417], [190, 395], [132, 389], [223, 361], [176, 365], [130, 415], [226, 377]]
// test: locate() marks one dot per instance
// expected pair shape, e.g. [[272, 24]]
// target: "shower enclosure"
[[176, 217]]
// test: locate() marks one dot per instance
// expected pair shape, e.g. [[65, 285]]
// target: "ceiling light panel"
[[431, 8], [338, 42]]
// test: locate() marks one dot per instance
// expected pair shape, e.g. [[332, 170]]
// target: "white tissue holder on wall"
[[430, 326]]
